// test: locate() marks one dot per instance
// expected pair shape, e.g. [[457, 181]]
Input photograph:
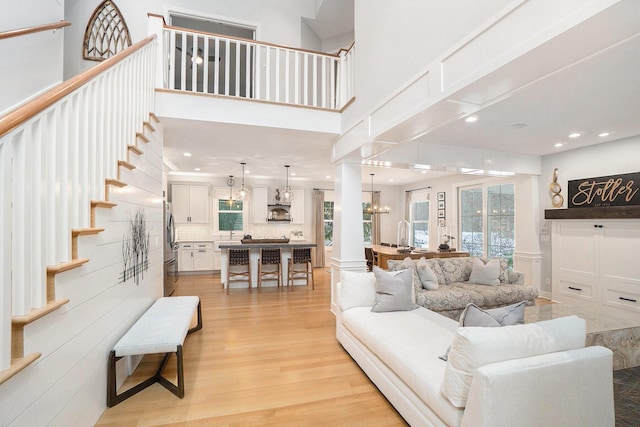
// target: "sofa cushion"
[[408, 343], [393, 290], [473, 347], [472, 315], [358, 289], [437, 270], [426, 275], [502, 316], [455, 269], [407, 263], [456, 296], [485, 273]]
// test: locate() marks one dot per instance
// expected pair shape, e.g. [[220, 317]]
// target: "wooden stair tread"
[[59, 268], [126, 164], [103, 204], [37, 313], [154, 117], [142, 137], [148, 126], [115, 182], [18, 365], [135, 149], [86, 231]]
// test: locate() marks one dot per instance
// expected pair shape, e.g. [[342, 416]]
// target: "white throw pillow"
[[474, 347], [393, 290], [357, 289], [490, 318], [501, 316], [485, 274], [427, 277]]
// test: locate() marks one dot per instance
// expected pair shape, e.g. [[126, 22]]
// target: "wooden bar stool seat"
[[272, 259], [240, 261], [299, 267]]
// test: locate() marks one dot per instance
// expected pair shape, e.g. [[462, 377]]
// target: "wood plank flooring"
[[261, 359]]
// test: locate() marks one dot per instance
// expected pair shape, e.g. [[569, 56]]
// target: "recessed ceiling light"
[[197, 169], [471, 119], [328, 176], [558, 144], [423, 171], [187, 154], [390, 179], [603, 134], [574, 135], [293, 174]]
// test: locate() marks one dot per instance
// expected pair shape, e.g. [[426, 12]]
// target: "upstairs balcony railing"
[[206, 63]]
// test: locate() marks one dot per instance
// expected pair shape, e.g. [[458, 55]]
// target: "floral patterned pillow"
[[437, 270], [456, 269]]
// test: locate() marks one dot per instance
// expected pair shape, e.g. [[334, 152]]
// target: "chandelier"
[[375, 209], [243, 193], [287, 193]]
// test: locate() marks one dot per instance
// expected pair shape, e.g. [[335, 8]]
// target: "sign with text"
[[605, 191]]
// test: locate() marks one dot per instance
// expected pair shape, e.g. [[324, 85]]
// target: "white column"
[[527, 256], [348, 235]]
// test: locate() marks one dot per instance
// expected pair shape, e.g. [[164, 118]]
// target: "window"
[[488, 211], [420, 224], [230, 215], [366, 223], [328, 223]]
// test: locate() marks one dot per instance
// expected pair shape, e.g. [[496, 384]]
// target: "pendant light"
[[374, 209], [243, 193], [287, 194], [230, 183]]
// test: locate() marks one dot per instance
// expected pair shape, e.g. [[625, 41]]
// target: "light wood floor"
[[261, 359]]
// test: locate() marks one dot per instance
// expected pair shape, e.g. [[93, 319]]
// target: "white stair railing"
[[201, 62], [55, 154]]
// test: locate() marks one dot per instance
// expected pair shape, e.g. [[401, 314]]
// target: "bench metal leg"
[[113, 398]]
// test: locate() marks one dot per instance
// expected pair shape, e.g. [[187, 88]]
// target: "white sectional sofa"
[[534, 375]]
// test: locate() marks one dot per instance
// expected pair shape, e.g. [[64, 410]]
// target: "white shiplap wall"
[[67, 385]]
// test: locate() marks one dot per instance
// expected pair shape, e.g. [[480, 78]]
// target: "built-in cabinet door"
[[259, 201], [620, 264], [199, 204], [202, 259], [180, 203], [594, 262], [190, 203], [297, 207], [186, 257]]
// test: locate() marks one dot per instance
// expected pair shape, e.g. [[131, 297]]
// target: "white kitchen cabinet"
[[190, 203], [196, 256], [259, 200], [594, 265], [297, 207]]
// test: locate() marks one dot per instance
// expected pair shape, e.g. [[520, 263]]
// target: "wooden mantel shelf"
[[613, 212]]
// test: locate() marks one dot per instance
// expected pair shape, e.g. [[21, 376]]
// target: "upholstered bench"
[[161, 329]]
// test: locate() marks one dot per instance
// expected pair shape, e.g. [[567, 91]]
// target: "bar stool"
[[300, 256], [270, 257], [239, 257]]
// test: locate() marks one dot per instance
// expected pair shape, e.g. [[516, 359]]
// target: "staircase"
[[62, 156]]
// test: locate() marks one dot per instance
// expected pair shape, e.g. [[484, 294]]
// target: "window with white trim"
[[487, 220]]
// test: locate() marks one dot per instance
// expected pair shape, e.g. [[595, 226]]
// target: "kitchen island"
[[254, 254]]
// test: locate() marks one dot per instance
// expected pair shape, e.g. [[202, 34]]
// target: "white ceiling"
[[598, 94]]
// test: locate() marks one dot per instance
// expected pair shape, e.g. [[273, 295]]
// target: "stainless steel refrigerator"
[[170, 251]]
